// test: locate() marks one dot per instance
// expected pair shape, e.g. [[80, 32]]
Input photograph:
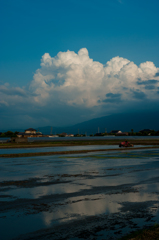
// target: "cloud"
[[148, 82], [157, 74], [74, 84], [150, 87], [112, 95], [12, 91], [75, 79], [139, 95], [113, 98]]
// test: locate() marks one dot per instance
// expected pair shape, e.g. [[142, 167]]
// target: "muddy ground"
[[15, 155], [78, 143], [88, 196]]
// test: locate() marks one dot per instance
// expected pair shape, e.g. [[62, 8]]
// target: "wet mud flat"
[[81, 142], [67, 150], [99, 195]]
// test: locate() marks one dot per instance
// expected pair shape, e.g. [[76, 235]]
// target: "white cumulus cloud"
[[75, 79], [73, 82]]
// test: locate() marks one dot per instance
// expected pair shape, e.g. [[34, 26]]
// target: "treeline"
[[9, 134], [132, 133], [144, 133]]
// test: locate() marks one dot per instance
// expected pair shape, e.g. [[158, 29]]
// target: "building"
[[70, 135], [146, 131], [122, 134], [115, 131], [63, 134], [99, 134], [30, 132]]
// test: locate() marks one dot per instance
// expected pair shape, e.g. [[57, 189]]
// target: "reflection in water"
[[97, 204], [78, 207], [99, 188]]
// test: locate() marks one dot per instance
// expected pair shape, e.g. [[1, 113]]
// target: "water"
[[58, 139], [109, 137], [3, 140], [59, 149], [79, 196]]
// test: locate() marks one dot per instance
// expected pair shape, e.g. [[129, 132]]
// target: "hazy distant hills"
[[123, 122]]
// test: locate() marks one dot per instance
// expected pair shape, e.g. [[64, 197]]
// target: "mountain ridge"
[[123, 121]]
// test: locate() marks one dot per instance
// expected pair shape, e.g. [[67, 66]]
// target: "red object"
[[124, 144]]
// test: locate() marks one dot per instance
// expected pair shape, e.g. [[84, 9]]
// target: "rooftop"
[[30, 129]]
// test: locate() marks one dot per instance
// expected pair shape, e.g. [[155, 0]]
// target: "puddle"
[[80, 196]]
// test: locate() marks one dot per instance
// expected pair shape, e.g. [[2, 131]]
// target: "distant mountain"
[[123, 122]]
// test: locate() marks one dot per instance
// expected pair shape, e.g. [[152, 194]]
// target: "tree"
[[3, 135], [9, 134]]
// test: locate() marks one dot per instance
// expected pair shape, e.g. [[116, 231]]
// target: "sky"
[[67, 61]]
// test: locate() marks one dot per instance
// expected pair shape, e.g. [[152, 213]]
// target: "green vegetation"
[[8, 134], [132, 133], [80, 135], [151, 233], [144, 133]]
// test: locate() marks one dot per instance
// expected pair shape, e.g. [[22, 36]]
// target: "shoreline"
[[13, 155]]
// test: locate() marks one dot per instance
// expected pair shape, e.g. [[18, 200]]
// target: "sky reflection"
[[58, 189]]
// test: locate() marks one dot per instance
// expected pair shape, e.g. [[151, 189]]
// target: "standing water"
[[79, 196]]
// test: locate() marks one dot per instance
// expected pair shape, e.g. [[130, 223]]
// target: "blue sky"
[[106, 29]]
